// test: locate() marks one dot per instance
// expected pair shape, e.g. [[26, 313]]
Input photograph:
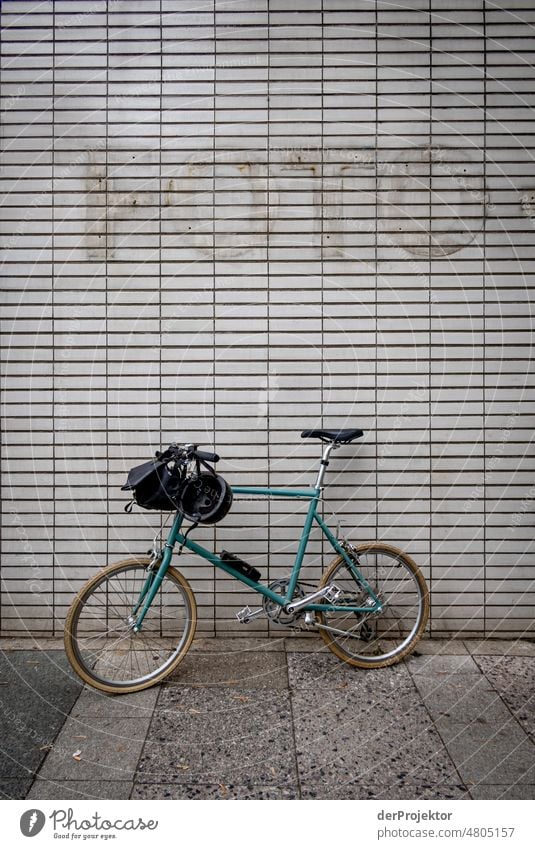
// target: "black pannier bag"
[[154, 486]]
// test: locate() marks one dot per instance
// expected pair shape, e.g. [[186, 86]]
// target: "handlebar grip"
[[206, 455]]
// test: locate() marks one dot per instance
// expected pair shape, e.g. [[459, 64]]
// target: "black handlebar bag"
[[154, 486]]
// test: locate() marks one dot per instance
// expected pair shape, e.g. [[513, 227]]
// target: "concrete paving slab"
[[444, 665], [374, 790], [466, 698], [379, 762], [37, 691], [21, 755], [237, 645], [211, 791], [15, 788], [30, 643], [380, 703], [220, 735], [338, 741], [511, 648], [325, 671], [514, 680], [92, 703], [46, 789], [313, 643], [109, 749], [487, 753], [225, 669], [367, 704], [503, 791], [428, 646]]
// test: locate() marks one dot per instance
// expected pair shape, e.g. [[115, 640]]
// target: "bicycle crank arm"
[[331, 592], [246, 614]]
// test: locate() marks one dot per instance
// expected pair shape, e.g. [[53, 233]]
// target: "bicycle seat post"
[[324, 462]]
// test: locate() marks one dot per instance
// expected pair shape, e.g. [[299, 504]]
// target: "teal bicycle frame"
[[154, 579]]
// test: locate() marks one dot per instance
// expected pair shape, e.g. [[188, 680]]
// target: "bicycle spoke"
[[107, 648]]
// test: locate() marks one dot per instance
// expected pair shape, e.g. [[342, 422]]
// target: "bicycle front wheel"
[[100, 643], [371, 640]]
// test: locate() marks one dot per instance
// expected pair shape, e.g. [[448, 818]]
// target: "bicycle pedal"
[[246, 614], [332, 593]]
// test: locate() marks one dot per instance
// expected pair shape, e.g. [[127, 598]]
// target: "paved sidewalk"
[[277, 719]]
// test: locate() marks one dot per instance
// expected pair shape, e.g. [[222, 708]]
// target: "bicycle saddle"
[[342, 436]]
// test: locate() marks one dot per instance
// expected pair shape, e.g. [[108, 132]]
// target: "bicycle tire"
[[380, 646], [153, 653]]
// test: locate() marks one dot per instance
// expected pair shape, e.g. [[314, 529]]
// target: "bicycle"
[[132, 624]]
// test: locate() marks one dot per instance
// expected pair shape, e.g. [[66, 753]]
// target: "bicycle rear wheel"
[[371, 640], [100, 643]]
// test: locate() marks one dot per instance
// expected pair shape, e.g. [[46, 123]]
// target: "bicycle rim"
[[100, 642], [369, 639]]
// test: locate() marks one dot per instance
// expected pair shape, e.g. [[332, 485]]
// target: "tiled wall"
[[228, 221]]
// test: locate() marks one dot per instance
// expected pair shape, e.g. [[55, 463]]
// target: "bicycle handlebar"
[[183, 453], [207, 455]]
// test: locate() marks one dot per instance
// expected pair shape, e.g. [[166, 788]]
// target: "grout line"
[[213, 531], [431, 620], [377, 273], [484, 363], [53, 322], [289, 690], [269, 627], [433, 724]]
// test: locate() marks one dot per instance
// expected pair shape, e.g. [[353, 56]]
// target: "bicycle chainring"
[[274, 611]]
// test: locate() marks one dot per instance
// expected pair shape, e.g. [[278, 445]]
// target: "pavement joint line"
[[70, 784], [294, 741], [142, 751], [434, 725]]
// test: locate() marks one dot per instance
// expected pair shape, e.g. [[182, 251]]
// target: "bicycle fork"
[[151, 586]]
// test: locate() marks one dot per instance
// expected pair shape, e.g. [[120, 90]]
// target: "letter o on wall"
[[431, 200]]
